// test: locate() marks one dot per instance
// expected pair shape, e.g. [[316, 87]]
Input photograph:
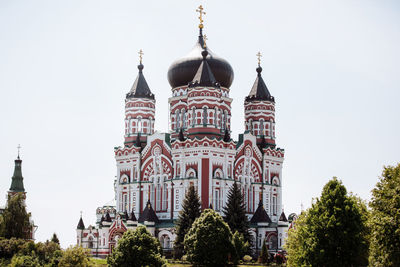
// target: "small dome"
[[182, 71]]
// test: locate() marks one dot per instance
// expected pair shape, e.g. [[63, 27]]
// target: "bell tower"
[[259, 111], [17, 182], [139, 110]]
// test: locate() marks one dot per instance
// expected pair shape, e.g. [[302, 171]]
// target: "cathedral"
[[155, 169]]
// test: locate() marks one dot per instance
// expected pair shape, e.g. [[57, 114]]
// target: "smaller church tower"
[[139, 111], [17, 182], [259, 111]]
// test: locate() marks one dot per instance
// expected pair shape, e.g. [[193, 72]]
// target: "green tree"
[[385, 219], [55, 239], [241, 247], [75, 257], [235, 212], [136, 248], [209, 241], [264, 256], [15, 221], [330, 233], [190, 211]]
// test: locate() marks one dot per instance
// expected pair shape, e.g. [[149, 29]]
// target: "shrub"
[[208, 242], [136, 248], [25, 261], [75, 257], [247, 258]]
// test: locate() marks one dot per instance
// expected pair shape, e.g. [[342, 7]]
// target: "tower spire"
[[17, 184]]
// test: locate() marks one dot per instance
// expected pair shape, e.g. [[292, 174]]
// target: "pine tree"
[[190, 211], [15, 219], [264, 256], [55, 239], [235, 212]]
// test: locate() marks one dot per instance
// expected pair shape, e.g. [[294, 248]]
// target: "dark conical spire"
[[204, 75], [259, 91], [148, 214], [283, 217], [17, 183], [81, 225], [260, 216], [140, 89], [132, 217]]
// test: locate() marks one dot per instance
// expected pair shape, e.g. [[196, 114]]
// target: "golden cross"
[[259, 58], [140, 55], [201, 12], [205, 39]]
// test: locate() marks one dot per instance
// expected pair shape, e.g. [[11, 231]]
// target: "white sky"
[[65, 67]]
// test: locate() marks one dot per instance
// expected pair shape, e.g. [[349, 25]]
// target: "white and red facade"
[[158, 167]]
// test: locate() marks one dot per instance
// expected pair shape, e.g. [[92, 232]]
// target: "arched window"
[[273, 242], [261, 127], [158, 195], [251, 199], [165, 198], [222, 121], [193, 116], [139, 125], [216, 117], [90, 242], [226, 120], [150, 126], [204, 116], [178, 121], [151, 188], [184, 118]]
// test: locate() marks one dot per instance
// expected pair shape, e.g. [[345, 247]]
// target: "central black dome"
[[183, 70]]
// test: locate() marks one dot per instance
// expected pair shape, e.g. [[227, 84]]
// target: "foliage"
[[75, 257], [235, 212], [25, 261], [137, 248], [15, 221], [190, 211], [385, 219], [264, 256], [208, 242], [330, 233], [247, 258], [55, 239], [240, 246], [10, 247]]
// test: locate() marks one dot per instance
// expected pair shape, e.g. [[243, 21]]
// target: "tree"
[[235, 212], [240, 246], [54, 239], [75, 257], [136, 248], [209, 240], [385, 219], [190, 211], [15, 219], [264, 256], [330, 233]]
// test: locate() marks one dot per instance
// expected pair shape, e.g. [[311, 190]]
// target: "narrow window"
[[204, 116]]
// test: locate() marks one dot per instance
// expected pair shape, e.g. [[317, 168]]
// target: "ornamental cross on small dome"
[[140, 55], [201, 13]]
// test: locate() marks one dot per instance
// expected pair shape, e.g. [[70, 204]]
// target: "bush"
[[75, 257], [208, 242], [240, 247], [137, 248], [247, 258], [10, 247], [25, 261]]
